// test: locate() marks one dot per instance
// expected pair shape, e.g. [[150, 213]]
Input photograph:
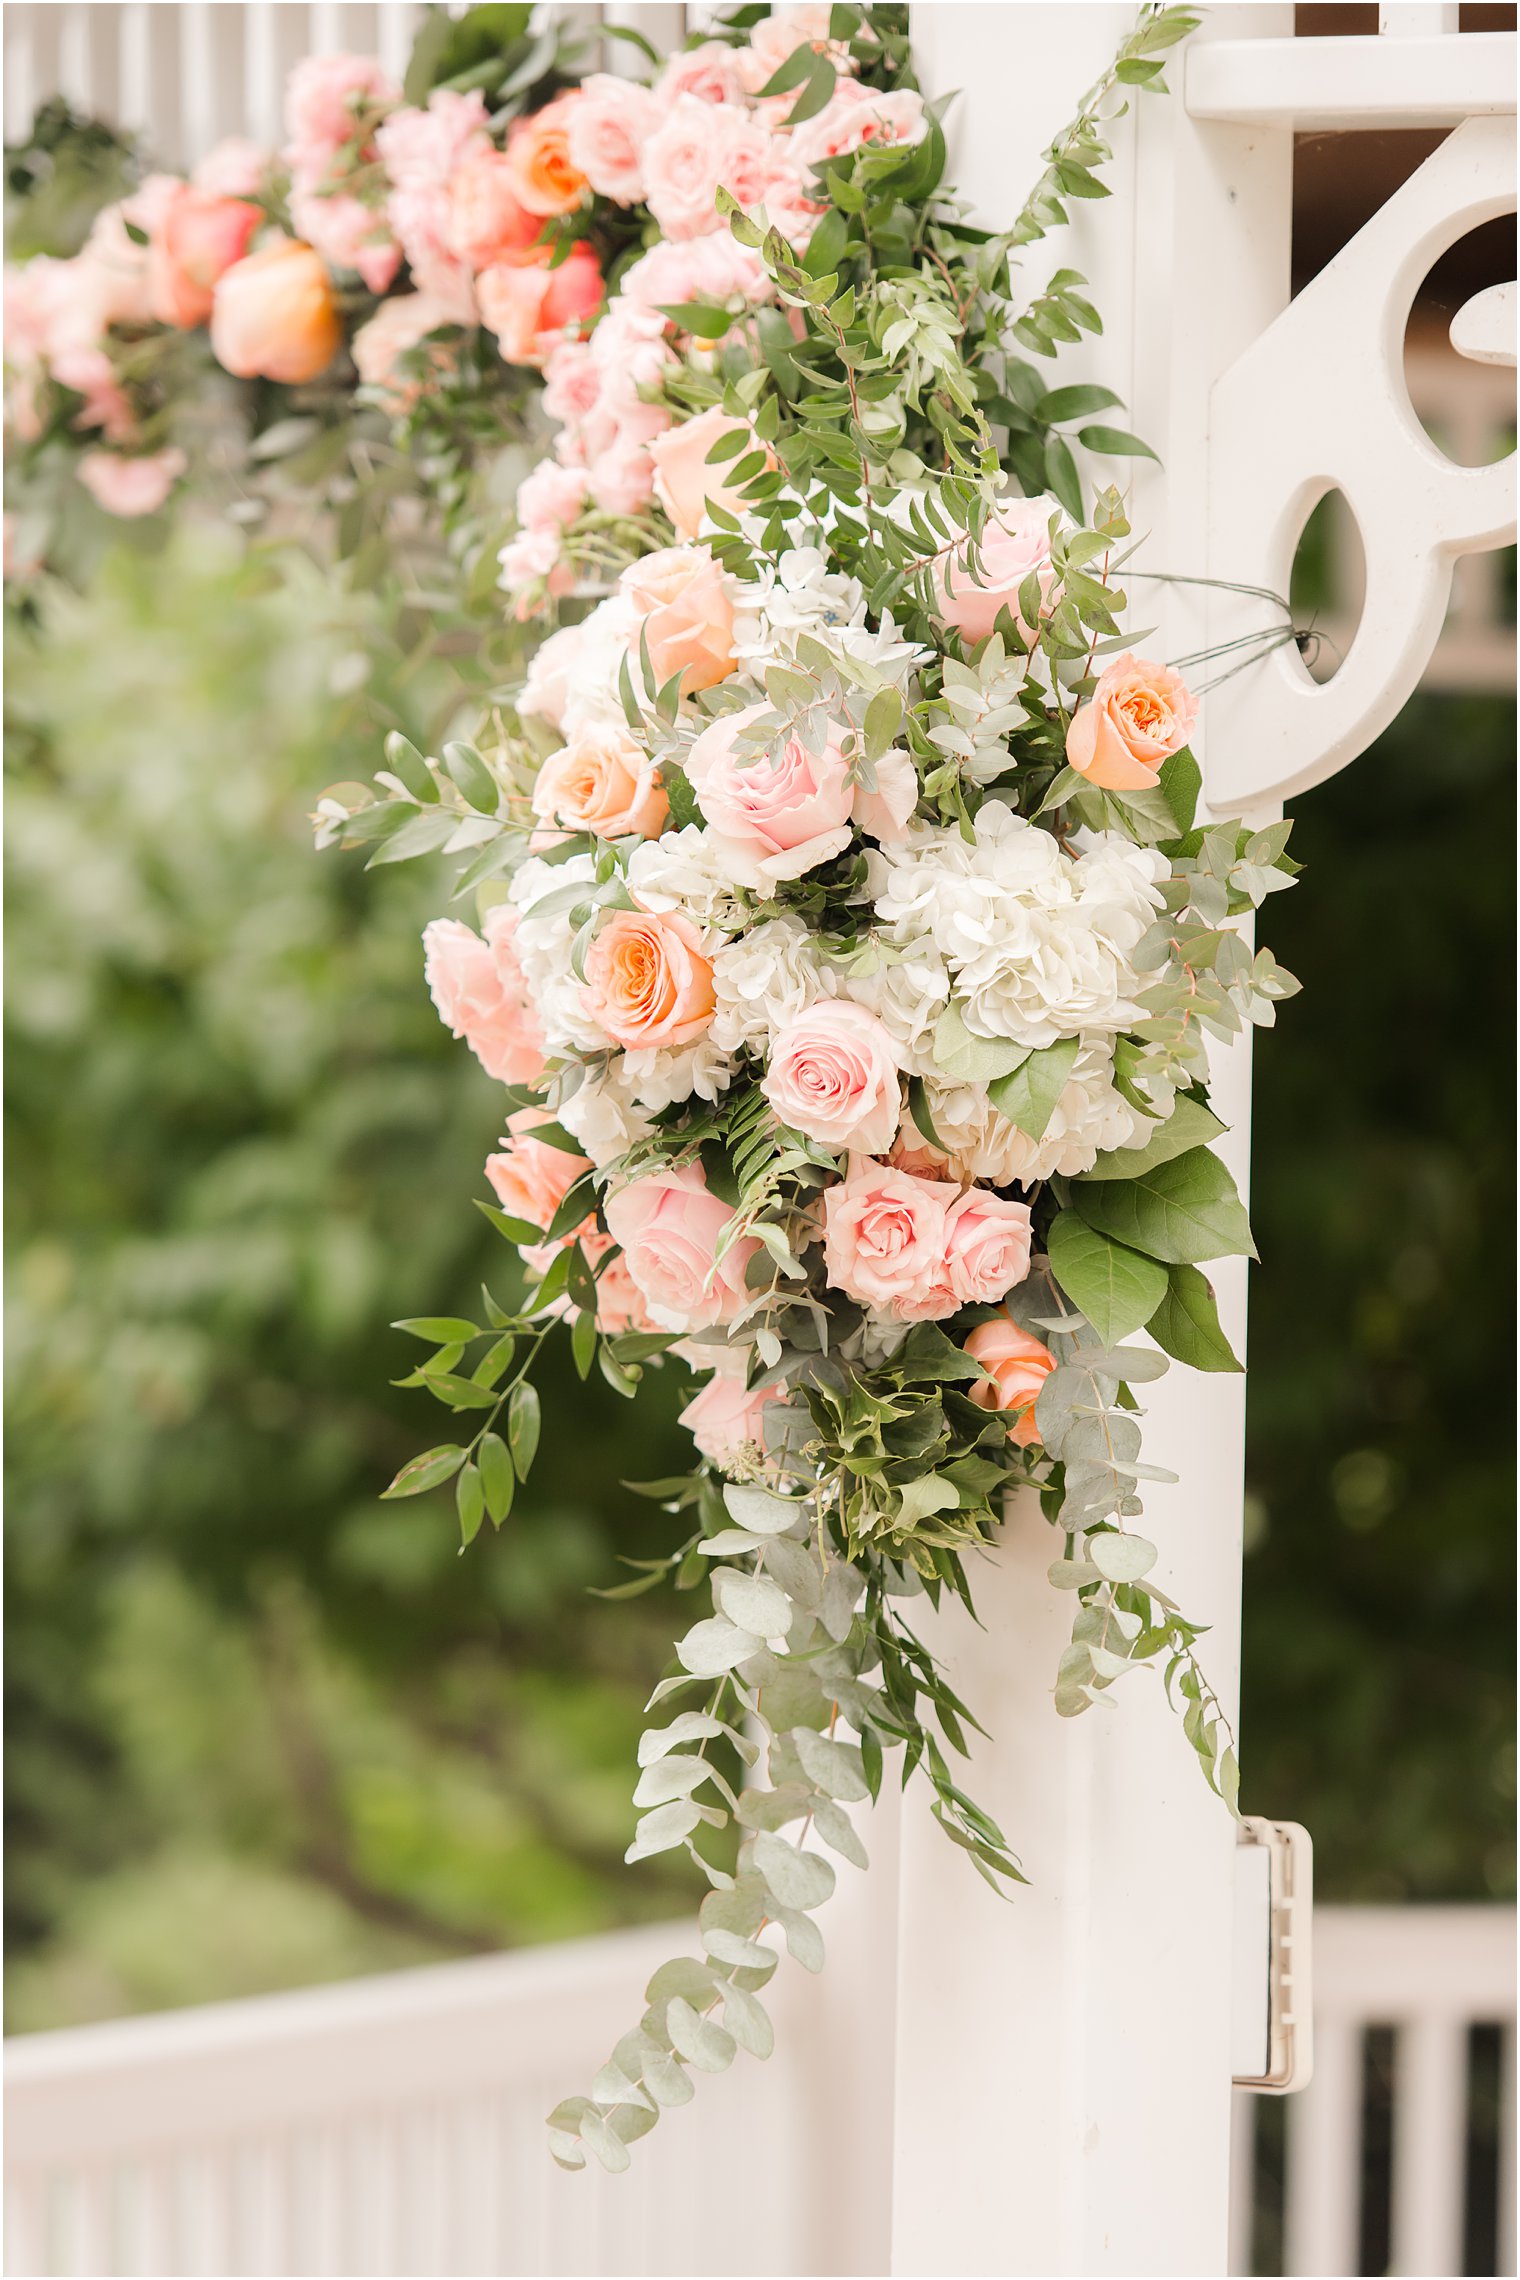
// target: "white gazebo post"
[[1063, 2068]]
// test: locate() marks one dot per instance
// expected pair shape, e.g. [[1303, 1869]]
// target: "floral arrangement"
[[845, 939]]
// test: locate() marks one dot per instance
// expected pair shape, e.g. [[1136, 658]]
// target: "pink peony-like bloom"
[[1138, 715], [199, 237], [685, 160], [834, 1074], [669, 1227], [273, 315], [1015, 545], [347, 234], [573, 383], [1019, 1366], [486, 221], [855, 115], [545, 178], [621, 479], [530, 306], [610, 123], [481, 994], [776, 812], [532, 1178], [325, 96], [131, 487], [421, 151], [232, 168], [398, 326], [647, 981], [727, 1422], [711, 72], [684, 481], [604, 783], [884, 1241], [986, 1246], [687, 618], [551, 497]]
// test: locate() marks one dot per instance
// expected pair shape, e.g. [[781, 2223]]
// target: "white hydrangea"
[[1090, 1116], [543, 941], [657, 1079], [907, 988], [602, 1114], [800, 594], [763, 980], [685, 871], [1037, 941], [592, 695]]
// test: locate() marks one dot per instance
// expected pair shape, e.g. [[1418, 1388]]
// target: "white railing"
[[395, 2125]]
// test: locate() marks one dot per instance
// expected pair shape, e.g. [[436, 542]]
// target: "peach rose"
[[273, 316], [647, 982], [610, 122], [834, 1075], [669, 1227], [486, 222], [686, 485], [688, 619], [1138, 715], [884, 1240], [531, 306], [727, 1422], [545, 178], [986, 1246], [604, 783], [1015, 545], [481, 994], [777, 812], [531, 1177], [131, 487], [1018, 1366], [198, 238]]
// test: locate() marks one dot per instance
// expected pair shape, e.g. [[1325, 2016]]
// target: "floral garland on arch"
[[848, 952]]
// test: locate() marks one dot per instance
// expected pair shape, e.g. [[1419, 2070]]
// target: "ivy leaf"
[[427, 1471], [1183, 1211], [1186, 1323], [1115, 1287], [1028, 1097]]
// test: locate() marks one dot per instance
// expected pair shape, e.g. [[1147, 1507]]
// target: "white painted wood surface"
[[394, 2125]]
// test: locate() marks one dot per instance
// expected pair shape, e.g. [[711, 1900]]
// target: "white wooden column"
[[1063, 2078]]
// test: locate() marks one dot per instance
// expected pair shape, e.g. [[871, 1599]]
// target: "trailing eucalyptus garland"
[[849, 952]]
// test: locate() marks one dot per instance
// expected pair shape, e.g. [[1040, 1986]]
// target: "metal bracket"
[[1272, 2026]]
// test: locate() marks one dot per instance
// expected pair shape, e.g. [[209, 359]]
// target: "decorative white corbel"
[[1319, 403]]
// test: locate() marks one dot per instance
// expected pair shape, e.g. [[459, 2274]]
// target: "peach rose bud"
[[604, 783], [1138, 715], [273, 316], [688, 620], [1017, 1367], [647, 982], [726, 1422], [685, 484], [835, 1076]]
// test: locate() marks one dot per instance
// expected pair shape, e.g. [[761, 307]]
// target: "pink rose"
[[531, 1178], [688, 620], [1015, 545], [669, 1227], [1138, 715], [684, 162], [778, 35], [131, 487], [647, 982], [609, 125], [777, 811], [273, 316], [710, 72], [326, 96], [884, 1240], [602, 782], [399, 326], [727, 1422], [572, 383], [481, 994], [855, 115], [687, 485], [986, 1246], [199, 236], [1018, 1366], [347, 234], [529, 305], [551, 497], [835, 1076], [232, 168], [713, 269], [486, 223], [619, 1302], [421, 151]]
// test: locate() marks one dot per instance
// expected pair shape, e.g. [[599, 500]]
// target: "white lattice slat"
[[1430, 2139], [1324, 2155]]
